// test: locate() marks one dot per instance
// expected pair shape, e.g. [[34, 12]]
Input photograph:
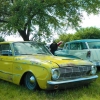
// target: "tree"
[[65, 37], [2, 39], [87, 33], [28, 17]]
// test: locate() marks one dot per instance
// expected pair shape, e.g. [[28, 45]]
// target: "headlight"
[[93, 70], [55, 74]]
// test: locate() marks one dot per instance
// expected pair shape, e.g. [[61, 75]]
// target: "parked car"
[[87, 49], [32, 64]]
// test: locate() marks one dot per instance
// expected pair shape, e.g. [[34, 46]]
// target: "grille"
[[74, 72]]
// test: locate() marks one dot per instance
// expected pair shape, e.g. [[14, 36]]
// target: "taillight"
[[88, 54]]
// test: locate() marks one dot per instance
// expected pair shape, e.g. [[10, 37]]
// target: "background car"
[[87, 49], [33, 65]]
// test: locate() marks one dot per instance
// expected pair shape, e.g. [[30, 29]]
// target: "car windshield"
[[29, 48], [94, 45]]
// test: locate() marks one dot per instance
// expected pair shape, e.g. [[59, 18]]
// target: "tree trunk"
[[23, 35]]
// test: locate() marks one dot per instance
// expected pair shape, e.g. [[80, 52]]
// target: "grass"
[[9, 91]]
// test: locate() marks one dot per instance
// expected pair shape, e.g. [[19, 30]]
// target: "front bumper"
[[52, 85]]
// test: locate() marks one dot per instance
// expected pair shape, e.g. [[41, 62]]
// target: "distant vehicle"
[[87, 49]]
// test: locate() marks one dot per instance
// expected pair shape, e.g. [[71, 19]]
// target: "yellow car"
[[31, 64]]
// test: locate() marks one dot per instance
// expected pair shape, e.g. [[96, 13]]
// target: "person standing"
[[53, 47]]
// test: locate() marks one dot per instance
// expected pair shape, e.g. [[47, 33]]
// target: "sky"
[[88, 21], [92, 20]]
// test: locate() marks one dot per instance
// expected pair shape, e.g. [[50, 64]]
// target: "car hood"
[[61, 52], [61, 61]]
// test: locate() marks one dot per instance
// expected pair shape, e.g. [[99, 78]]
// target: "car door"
[[6, 62], [78, 49]]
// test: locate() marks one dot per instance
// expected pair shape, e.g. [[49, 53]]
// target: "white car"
[[87, 49]]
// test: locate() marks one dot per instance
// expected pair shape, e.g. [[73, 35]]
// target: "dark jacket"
[[53, 47]]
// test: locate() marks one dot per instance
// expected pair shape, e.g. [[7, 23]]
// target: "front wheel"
[[30, 81]]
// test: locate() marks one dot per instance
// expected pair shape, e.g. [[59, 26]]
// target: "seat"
[[6, 52]]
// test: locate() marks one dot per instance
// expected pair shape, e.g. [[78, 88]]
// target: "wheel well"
[[22, 78]]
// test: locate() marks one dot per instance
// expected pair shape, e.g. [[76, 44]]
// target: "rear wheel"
[[30, 81]]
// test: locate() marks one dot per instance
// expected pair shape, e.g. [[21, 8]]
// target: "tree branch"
[[3, 21], [12, 1]]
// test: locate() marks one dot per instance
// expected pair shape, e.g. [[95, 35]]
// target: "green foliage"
[[2, 39], [64, 37], [87, 33], [33, 16], [83, 33]]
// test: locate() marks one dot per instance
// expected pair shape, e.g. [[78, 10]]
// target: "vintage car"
[[87, 49], [31, 64]]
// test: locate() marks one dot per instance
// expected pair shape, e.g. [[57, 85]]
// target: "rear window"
[[94, 45]]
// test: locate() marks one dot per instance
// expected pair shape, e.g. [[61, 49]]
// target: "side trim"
[[5, 72]]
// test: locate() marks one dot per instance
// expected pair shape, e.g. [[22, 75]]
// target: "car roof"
[[84, 40], [6, 42]]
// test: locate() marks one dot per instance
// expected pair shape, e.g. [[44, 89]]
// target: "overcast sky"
[[92, 20], [88, 21]]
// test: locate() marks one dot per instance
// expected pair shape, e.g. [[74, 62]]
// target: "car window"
[[5, 50], [77, 46], [84, 46], [74, 46], [66, 46], [94, 45]]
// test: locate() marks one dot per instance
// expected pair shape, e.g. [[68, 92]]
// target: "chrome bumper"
[[70, 83]]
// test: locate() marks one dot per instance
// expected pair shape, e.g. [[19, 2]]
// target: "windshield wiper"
[[42, 53], [25, 54]]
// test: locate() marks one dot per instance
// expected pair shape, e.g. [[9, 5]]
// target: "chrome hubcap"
[[32, 79]]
